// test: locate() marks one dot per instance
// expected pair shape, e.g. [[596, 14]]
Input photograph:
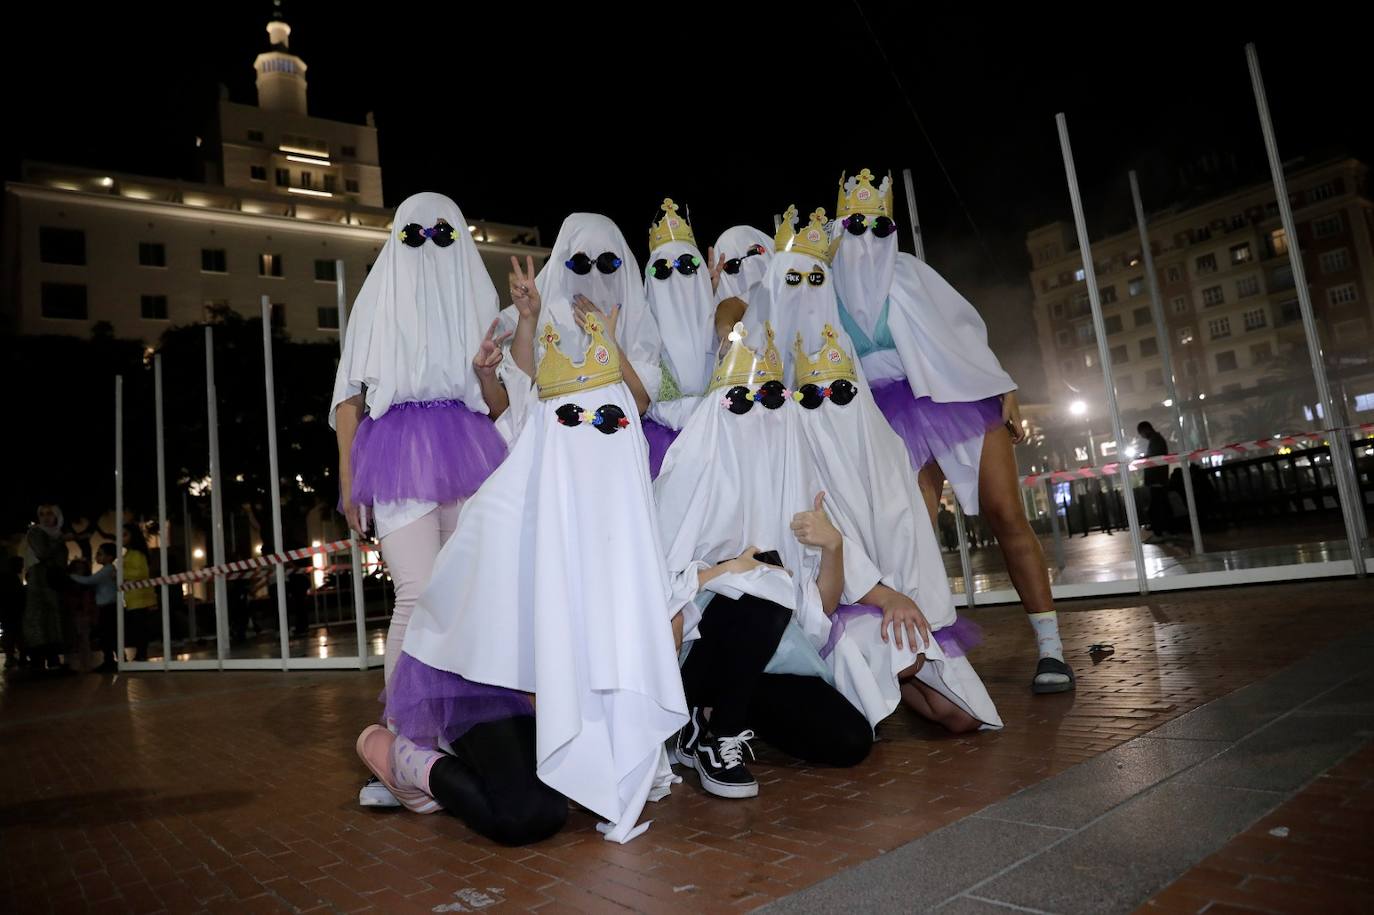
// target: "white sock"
[[1046, 626]]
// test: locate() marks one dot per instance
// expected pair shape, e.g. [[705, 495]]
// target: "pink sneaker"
[[374, 749]]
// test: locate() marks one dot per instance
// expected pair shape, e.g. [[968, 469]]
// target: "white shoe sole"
[[376, 796], [720, 789], [687, 759]]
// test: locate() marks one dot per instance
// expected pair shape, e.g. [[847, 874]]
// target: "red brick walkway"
[[1311, 854], [236, 792]]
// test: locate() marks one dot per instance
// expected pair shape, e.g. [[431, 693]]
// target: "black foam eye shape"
[[816, 278], [812, 396], [579, 263], [792, 278], [733, 264], [883, 227], [687, 264], [772, 394], [660, 269], [608, 262], [609, 419], [739, 400], [854, 225], [413, 234], [442, 234], [842, 392], [570, 414]]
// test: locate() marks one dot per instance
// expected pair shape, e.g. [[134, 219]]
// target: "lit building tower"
[[281, 74]]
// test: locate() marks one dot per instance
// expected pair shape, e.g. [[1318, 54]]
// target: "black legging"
[[490, 784], [804, 717]]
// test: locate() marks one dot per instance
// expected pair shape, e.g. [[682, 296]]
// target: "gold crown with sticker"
[[742, 365], [670, 227], [864, 198], [557, 375], [827, 364], [811, 240]]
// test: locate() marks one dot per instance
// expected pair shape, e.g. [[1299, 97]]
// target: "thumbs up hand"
[[813, 528]]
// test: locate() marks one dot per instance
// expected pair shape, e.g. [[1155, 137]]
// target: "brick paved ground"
[[1312, 854], [236, 792]]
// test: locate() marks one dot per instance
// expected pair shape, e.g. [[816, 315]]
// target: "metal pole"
[[191, 607], [917, 242], [162, 527], [1351, 500], [278, 544], [965, 559], [216, 501], [355, 554], [119, 520], [1165, 345], [1104, 352]]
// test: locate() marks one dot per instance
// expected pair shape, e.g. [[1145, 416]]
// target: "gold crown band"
[[742, 365], [557, 375], [811, 241], [827, 364], [864, 198], [670, 227]]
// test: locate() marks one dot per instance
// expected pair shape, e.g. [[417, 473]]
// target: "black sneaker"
[[686, 750], [720, 763]]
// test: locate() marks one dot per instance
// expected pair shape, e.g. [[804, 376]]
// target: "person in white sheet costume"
[[555, 583], [677, 287], [882, 651], [757, 569], [411, 414], [925, 351]]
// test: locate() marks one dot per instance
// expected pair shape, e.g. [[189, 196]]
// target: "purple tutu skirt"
[[930, 428], [434, 451], [955, 640], [660, 439], [429, 705]]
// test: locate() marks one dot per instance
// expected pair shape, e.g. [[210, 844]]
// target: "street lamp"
[[1079, 408]]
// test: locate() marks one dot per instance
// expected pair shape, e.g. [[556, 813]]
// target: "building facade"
[[286, 196], [1234, 330]]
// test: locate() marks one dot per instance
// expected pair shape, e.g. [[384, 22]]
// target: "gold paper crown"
[[557, 375], [864, 197], [829, 363], [670, 227], [742, 365], [811, 240]]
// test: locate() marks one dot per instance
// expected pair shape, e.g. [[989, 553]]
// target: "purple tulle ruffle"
[[956, 639], [660, 439], [930, 428], [434, 451], [427, 705]]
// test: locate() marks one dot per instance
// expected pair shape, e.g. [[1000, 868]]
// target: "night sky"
[[736, 110]]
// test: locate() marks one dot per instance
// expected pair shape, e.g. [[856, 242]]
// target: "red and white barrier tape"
[[240, 568], [1170, 460]]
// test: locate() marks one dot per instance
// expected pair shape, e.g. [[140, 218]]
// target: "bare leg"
[[1000, 502], [931, 480], [932, 705]]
